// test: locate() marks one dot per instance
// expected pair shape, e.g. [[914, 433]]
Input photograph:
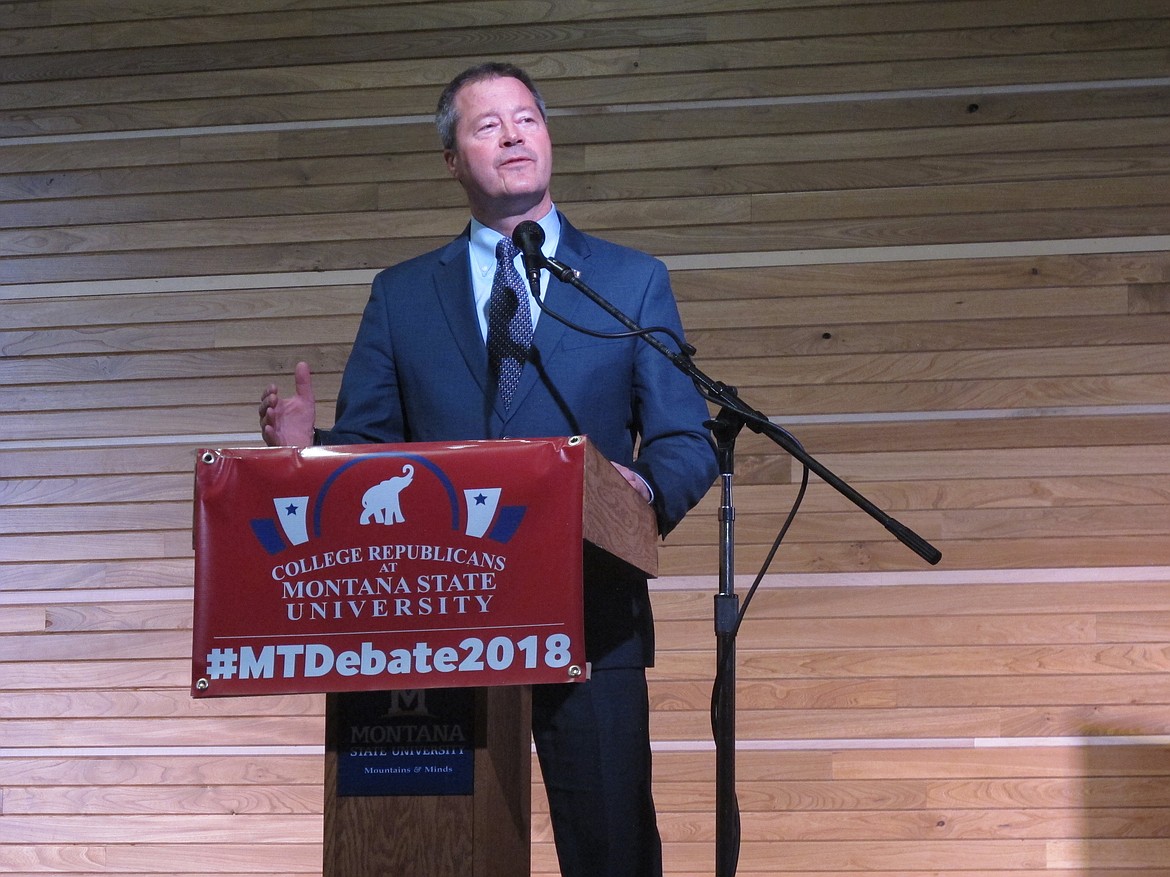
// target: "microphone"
[[529, 238]]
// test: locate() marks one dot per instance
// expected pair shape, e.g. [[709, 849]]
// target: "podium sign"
[[375, 567]]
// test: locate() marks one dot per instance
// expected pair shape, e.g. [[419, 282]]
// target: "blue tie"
[[509, 322]]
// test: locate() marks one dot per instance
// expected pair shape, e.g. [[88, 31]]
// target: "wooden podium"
[[413, 584]]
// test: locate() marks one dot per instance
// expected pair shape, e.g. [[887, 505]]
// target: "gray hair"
[[446, 118]]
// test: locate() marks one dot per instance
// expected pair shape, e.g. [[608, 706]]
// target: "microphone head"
[[528, 237]]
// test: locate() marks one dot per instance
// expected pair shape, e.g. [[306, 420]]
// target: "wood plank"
[[513, 40], [265, 363], [977, 228], [911, 662], [1027, 872], [733, 306], [180, 873], [917, 722], [154, 800], [961, 198], [876, 856], [818, 186], [139, 771], [707, 84], [863, 795], [247, 731], [96, 646], [1027, 462], [114, 238], [848, 146], [890, 555], [165, 207], [753, 47], [23, 619], [1061, 368], [105, 575], [63, 12], [209, 27], [188, 828], [947, 823], [927, 470], [189, 190], [211, 420], [62, 618], [105, 459], [673, 766], [791, 209], [85, 489], [154, 325], [991, 524], [1125, 760], [807, 20], [952, 692], [1057, 429], [793, 135], [929, 275], [98, 517], [347, 250], [346, 255], [961, 764], [897, 497], [151, 545], [940, 365], [1108, 853], [1014, 596], [156, 703], [222, 857], [833, 335], [910, 628]]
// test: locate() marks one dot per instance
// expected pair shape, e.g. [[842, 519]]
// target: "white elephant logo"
[[381, 503]]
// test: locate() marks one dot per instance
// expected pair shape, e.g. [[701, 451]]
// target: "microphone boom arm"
[[729, 401]]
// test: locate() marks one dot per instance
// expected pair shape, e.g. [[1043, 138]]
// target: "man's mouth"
[[516, 159]]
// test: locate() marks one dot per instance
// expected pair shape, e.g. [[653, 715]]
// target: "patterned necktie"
[[509, 322]]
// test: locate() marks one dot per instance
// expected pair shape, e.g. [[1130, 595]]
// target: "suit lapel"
[[452, 280]]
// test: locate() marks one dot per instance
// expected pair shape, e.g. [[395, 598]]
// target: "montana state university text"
[[393, 590]]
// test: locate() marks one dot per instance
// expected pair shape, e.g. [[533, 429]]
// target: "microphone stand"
[[733, 415]]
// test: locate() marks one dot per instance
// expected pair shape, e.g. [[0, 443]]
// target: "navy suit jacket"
[[419, 372]]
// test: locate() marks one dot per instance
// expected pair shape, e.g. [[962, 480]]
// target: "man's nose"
[[511, 134]]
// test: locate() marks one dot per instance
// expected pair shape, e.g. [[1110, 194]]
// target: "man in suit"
[[420, 370]]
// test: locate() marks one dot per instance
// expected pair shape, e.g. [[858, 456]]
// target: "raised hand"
[[289, 421]]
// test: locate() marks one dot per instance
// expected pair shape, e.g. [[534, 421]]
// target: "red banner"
[[388, 567]]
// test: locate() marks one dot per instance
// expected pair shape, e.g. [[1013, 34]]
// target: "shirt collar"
[[484, 240]]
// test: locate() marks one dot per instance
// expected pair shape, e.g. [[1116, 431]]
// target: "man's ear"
[[451, 158]]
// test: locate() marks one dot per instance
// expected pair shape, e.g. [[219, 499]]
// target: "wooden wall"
[[930, 238]]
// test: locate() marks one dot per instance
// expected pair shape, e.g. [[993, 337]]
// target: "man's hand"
[[635, 481], [289, 422]]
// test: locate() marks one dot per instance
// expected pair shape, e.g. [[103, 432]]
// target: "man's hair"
[[445, 116]]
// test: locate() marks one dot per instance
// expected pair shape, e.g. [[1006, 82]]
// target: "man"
[[430, 363]]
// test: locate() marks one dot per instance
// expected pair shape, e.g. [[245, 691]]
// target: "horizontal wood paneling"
[[926, 236]]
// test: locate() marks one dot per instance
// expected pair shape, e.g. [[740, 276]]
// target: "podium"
[[422, 587]]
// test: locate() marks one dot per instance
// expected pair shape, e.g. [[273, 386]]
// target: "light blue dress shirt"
[[482, 249]]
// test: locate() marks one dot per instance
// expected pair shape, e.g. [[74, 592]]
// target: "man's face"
[[503, 154]]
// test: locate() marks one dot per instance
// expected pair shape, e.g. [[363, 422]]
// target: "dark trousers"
[[593, 743]]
